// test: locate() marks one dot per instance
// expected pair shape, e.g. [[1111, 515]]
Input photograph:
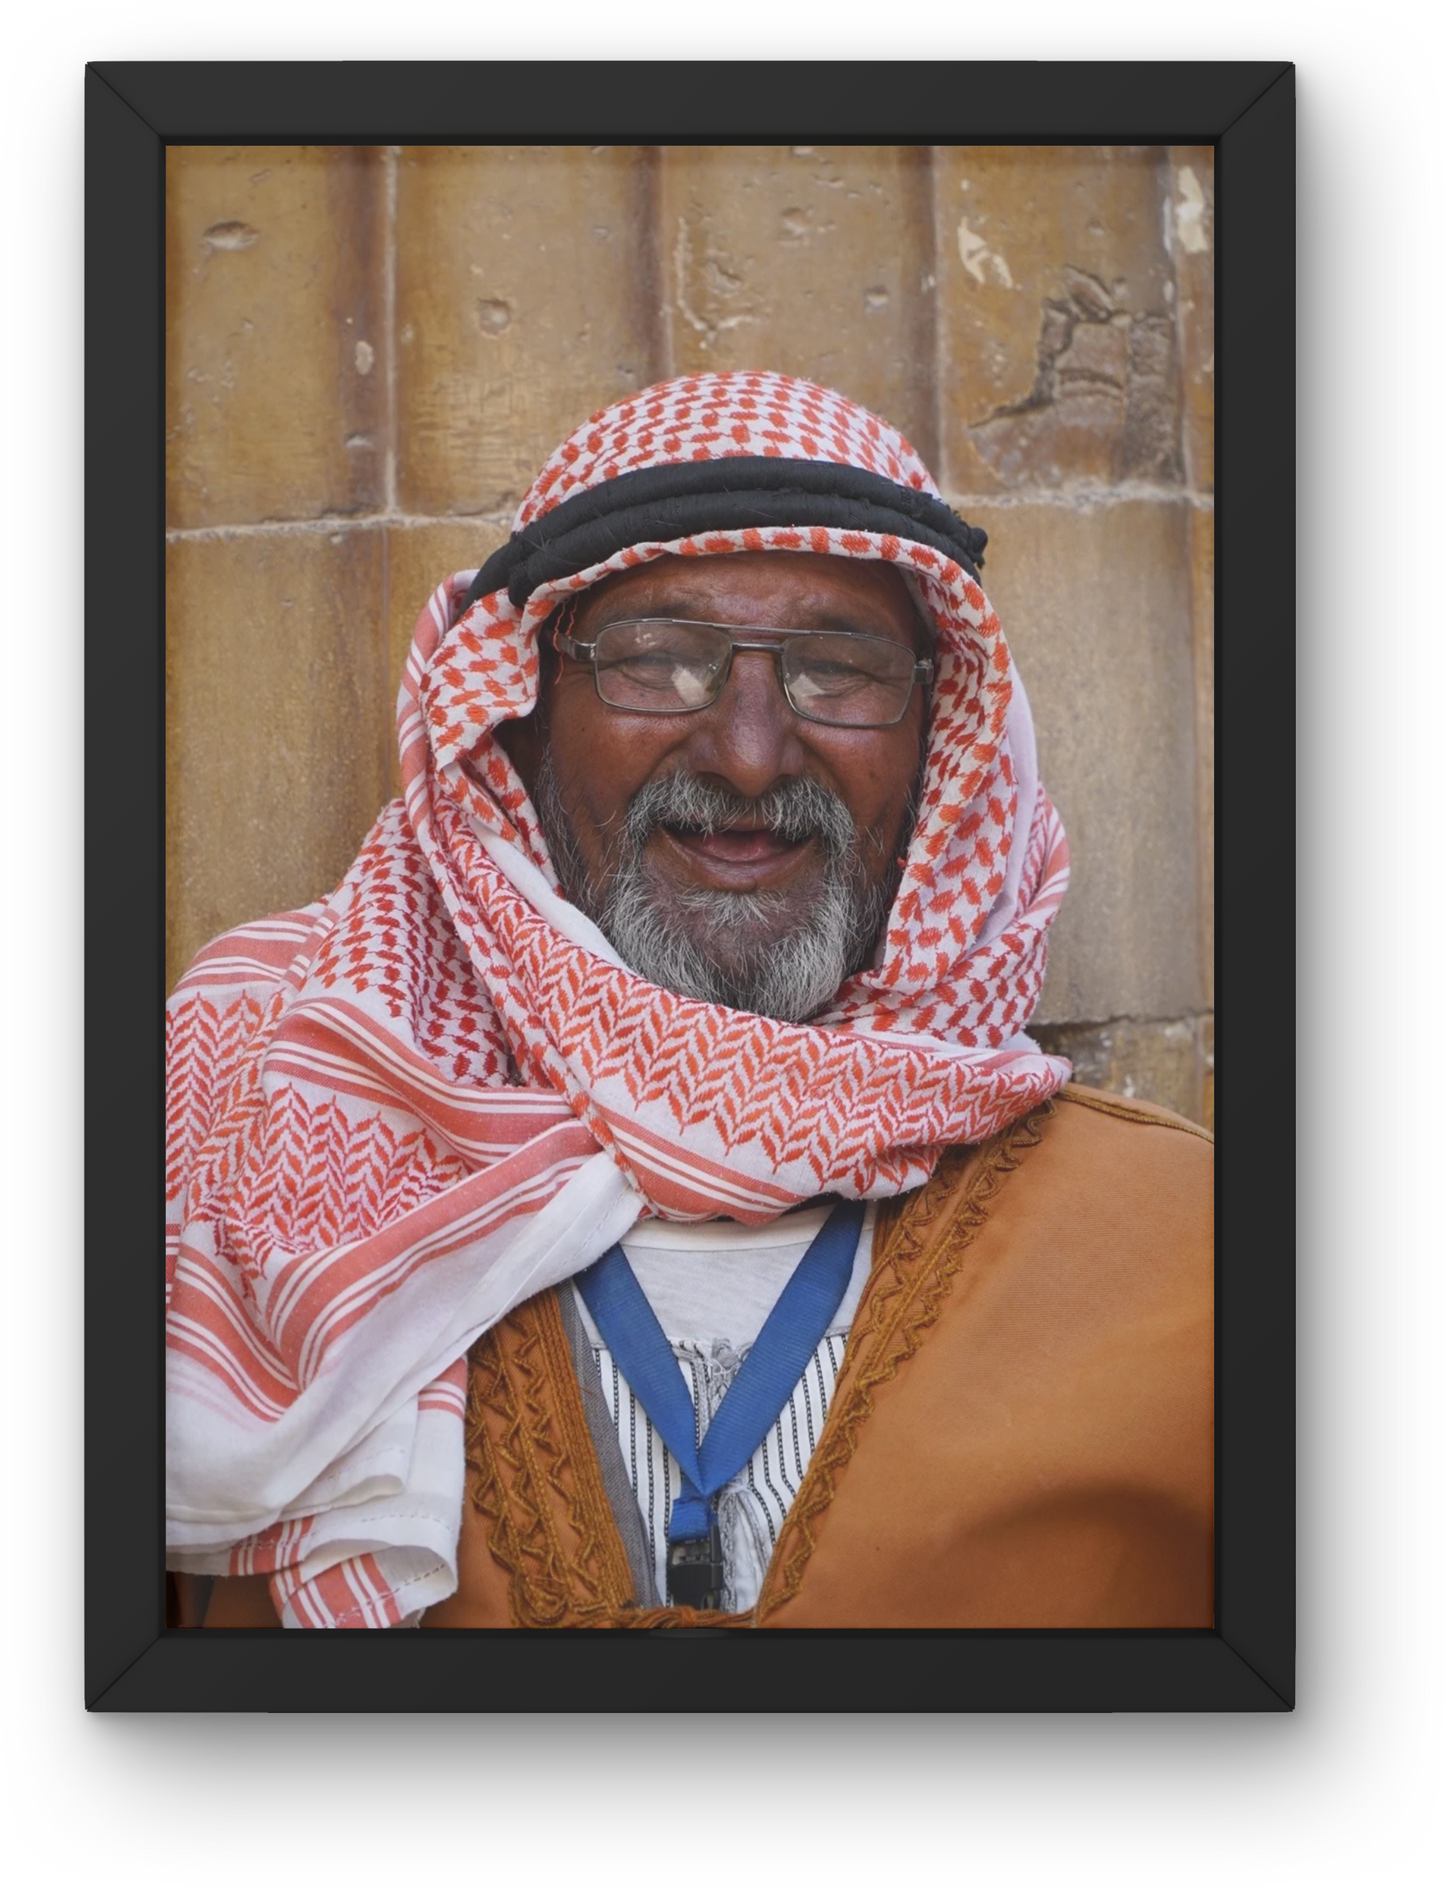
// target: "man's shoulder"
[[1086, 1168], [1131, 1111], [1115, 1152], [1093, 1209], [1086, 1126], [1097, 1141], [260, 954]]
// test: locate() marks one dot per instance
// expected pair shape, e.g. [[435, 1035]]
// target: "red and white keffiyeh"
[[397, 1113]]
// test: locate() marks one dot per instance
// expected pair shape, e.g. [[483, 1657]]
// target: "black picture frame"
[[1246, 111]]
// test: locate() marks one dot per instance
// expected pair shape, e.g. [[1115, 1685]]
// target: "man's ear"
[[523, 742]]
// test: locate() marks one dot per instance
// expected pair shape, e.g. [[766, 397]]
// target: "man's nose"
[[749, 737]]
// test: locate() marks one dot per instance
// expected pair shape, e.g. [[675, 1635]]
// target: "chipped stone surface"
[[1191, 225], [273, 303], [276, 742], [525, 299], [1096, 607], [815, 262], [1162, 1062], [1057, 335]]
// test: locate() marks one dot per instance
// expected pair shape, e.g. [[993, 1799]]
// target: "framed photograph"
[[376, 338]]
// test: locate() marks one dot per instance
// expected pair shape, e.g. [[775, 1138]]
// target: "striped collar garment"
[[711, 1288]]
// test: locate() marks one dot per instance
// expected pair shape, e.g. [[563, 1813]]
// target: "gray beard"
[[733, 947]]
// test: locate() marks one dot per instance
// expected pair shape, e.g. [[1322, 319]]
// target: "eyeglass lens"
[[665, 667]]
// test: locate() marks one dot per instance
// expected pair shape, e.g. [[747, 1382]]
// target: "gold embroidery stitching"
[[601, 1577], [486, 1383], [905, 1295], [502, 1493], [537, 1441]]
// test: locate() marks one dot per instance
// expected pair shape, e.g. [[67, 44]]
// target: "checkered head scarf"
[[398, 1113]]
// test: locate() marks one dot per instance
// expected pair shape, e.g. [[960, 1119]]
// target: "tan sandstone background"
[[371, 350]]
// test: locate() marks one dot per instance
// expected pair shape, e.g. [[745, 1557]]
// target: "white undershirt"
[[711, 1287]]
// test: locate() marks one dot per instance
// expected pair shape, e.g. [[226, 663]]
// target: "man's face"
[[738, 853]]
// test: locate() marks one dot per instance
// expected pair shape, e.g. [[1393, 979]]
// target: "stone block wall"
[[370, 351]]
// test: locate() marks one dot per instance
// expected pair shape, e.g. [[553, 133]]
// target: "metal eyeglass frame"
[[586, 652]]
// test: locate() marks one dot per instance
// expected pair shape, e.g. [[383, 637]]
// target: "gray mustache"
[[791, 975], [793, 810]]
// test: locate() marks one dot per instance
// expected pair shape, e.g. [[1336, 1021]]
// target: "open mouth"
[[740, 845]]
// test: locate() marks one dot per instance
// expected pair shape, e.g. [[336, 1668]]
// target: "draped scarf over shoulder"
[[395, 1114]]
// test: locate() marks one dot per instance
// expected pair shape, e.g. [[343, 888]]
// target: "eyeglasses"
[[662, 666]]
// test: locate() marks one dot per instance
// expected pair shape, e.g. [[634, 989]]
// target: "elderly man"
[[631, 1198]]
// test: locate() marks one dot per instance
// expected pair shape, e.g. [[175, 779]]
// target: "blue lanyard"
[[796, 1325]]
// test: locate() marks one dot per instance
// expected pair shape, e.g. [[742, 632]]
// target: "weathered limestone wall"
[[370, 351]]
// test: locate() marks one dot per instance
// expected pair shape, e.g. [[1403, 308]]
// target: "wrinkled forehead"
[[767, 588]]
